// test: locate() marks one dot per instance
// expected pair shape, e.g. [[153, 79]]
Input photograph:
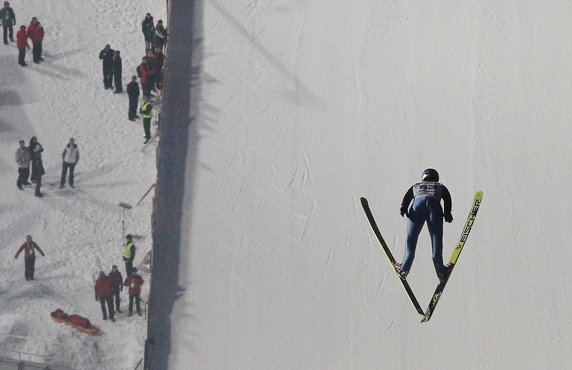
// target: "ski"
[[385, 248], [455, 256]]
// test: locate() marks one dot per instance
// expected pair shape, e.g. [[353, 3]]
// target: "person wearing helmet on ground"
[[426, 196]]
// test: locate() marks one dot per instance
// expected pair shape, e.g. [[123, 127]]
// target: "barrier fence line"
[[11, 356], [144, 363]]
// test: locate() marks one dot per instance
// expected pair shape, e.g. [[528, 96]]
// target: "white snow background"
[[299, 108], [80, 230], [303, 107]]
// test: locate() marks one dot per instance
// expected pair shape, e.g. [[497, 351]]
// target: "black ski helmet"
[[430, 174]]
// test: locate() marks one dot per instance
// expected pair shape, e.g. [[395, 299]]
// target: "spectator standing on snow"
[[146, 113], [8, 21], [133, 93], [70, 157], [117, 284], [155, 65], [116, 66], [36, 150], [39, 173], [158, 61], [106, 55], [29, 248], [36, 34], [22, 44], [128, 253], [134, 283], [104, 294], [145, 72], [148, 29], [160, 37], [23, 158]]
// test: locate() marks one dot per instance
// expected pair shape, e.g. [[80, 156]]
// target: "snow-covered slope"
[[301, 107], [80, 229]]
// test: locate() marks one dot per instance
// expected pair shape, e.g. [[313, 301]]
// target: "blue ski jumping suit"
[[426, 207]]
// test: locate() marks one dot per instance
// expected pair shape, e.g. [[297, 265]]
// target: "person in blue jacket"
[[426, 196]]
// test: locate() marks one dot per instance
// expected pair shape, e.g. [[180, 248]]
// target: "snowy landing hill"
[[301, 107]]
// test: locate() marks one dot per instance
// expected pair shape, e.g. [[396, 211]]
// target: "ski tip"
[[363, 200]]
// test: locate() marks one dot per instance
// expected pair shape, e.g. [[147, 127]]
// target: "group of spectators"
[[34, 32], [108, 287], [30, 157], [149, 71]]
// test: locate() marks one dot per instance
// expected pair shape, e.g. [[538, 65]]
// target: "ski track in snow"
[[78, 229]]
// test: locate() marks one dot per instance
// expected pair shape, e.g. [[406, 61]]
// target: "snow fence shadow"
[[175, 128]]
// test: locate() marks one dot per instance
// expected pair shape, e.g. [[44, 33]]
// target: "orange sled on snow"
[[79, 322]]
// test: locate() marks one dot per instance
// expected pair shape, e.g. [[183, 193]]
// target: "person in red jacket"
[[146, 73], [134, 283], [104, 294], [29, 248], [36, 34], [117, 284], [22, 44]]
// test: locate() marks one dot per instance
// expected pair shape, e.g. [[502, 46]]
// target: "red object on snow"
[[79, 322]]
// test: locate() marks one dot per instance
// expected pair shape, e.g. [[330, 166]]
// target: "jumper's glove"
[[403, 211], [96, 298], [448, 217]]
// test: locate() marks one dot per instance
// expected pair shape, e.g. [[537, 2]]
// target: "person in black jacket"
[[8, 21], [160, 37], [133, 93], [148, 29], [36, 150], [117, 72], [106, 55]]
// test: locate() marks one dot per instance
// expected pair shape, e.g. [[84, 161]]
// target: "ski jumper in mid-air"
[[426, 196]]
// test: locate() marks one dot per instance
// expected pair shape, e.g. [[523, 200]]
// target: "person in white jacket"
[[23, 158], [70, 158]]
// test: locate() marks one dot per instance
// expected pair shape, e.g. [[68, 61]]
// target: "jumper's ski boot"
[[402, 274], [443, 277]]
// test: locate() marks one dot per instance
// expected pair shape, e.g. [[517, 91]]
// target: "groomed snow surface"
[[80, 230], [301, 107]]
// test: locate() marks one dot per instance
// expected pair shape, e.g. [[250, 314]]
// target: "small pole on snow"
[[124, 206], [144, 195]]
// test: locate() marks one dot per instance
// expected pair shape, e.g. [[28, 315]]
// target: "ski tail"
[[455, 256], [389, 255]]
